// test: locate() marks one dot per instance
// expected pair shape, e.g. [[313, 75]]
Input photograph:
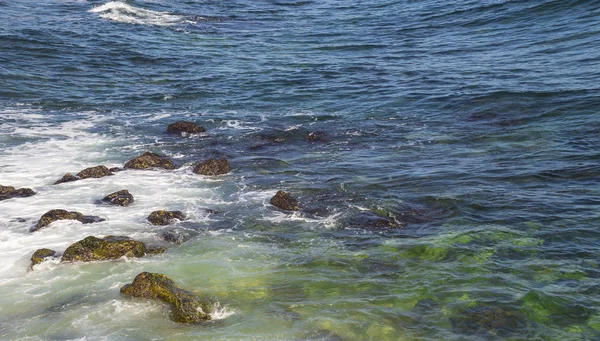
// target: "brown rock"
[[67, 178], [94, 172], [8, 192], [149, 160], [163, 217], [121, 198], [285, 201], [40, 256], [213, 167], [182, 127], [54, 215]]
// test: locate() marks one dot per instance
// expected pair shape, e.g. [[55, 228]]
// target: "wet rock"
[[213, 167], [54, 215], [372, 221], [111, 247], [175, 236], [186, 307], [114, 169], [67, 178], [184, 127], [163, 217], [121, 198], [94, 172], [149, 160], [40, 256], [317, 136], [285, 201], [8, 192], [489, 320]]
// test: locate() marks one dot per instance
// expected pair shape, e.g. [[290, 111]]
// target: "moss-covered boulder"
[[186, 307], [184, 127], [40, 256], [8, 192], [149, 160], [54, 215], [285, 201], [120, 198], [91, 172], [162, 217], [213, 167], [111, 247]]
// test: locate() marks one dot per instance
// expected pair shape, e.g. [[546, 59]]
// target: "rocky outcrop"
[[285, 201], [184, 127], [54, 215], [120, 198], [40, 256], [92, 249], [186, 307], [163, 217], [213, 167], [149, 160], [7, 192], [91, 172]]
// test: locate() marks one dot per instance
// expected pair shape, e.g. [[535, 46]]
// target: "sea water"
[[472, 126]]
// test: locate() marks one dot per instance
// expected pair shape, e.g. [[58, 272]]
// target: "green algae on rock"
[[8, 192], [91, 172], [163, 217], [110, 247], [54, 215], [184, 127], [149, 160], [213, 167], [121, 198], [186, 307], [40, 256], [285, 201]]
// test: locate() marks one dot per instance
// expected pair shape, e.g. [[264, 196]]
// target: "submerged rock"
[[162, 217], [186, 307], [91, 172], [213, 167], [175, 236], [317, 136], [372, 221], [149, 160], [8, 192], [182, 127], [40, 256], [54, 215], [121, 198], [111, 247], [489, 320], [285, 201]]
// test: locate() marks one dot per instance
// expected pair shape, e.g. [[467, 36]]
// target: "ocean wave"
[[122, 12]]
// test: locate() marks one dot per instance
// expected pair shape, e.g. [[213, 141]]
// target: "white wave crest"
[[122, 12]]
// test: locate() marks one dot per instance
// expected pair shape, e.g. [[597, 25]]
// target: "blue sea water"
[[473, 125]]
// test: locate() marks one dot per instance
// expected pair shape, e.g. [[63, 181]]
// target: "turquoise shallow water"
[[473, 124]]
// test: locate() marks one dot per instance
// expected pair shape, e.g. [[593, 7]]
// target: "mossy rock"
[[91, 172], [8, 192], [184, 127], [93, 249], [213, 167], [40, 256], [67, 178], [54, 215], [186, 307], [285, 201], [149, 160], [162, 217], [120, 198]]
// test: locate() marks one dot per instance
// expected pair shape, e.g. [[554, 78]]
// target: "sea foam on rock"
[[149, 160], [186, 127], [110, 247], [40, 256], [213, 167], [8, 192], [163, 217], [54, 215], [186, 307]]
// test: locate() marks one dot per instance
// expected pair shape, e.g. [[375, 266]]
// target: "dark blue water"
[[473, 124]]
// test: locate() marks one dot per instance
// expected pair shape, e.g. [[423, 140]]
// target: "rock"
[[149, 160], [114, 169], [121, 198], [491, 320], [54, 215], [213, 167], [372, 221], [182, 127], [163, 217], [67, 178], [317, 136], [110, 247], [186, 307], [285, 201], [8, 192], [40, 256], [94, 172], [174, 236]]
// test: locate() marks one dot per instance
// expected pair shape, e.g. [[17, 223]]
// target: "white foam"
[[122, 12], [220, 313]]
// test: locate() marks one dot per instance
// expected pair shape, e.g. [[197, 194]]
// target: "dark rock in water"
[[163, 217], [370, 220], [94, 172], [67, 178], [7, 192], [110, 247], [186, 306], [40, 256], [184, 127], [213, 167], [317, 136], [285, 201], [114, 169], [175, 237], [121, 198], [489, 320], [149, 160], [54, 215]]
